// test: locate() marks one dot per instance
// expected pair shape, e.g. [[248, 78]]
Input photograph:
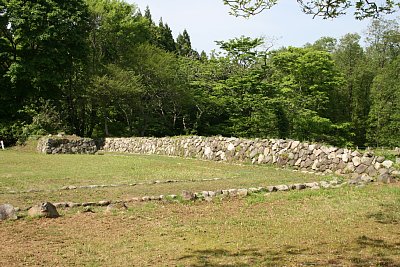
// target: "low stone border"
[[207, 195], [73, 187]]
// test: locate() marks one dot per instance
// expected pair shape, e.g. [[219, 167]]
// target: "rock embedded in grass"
[[7, 212], [45, 209], [116, 207], [187, 195]]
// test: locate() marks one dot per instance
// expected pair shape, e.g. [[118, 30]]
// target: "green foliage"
[[101, 68], [384, 119], [326, 9]]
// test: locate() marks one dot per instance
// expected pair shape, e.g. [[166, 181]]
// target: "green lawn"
[[348, 226], [27, 170]]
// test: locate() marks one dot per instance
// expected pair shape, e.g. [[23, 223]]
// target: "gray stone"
[[367, 160], [380, 159], [282, 187], [87, 204], [61, 205], [311, 185], [350, 168], [7, 212], [187, 195], [366, 178], [299, 186], [372, 171], [225, 192], [385, 178], [271, 188], [145, 198], [387, 163], [315, 188], [116, 207], [233, 192], [253, 190], [361, 168], [325, 184], [242, 192], [104, 203], [45, 209], [356, 161]]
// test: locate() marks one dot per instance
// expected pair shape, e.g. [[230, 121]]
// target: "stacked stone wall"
[[65, 145], [285, 153]]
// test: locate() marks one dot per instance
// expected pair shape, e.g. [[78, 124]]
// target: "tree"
[[305, 80], [165, 40], [324, 8], [242, 50], [44, 50], [183, 44], [354, 94], [384, 117]]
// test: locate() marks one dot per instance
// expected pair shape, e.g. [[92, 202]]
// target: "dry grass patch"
[[342, 227]]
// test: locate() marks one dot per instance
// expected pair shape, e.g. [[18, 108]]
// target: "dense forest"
[[99, 68]]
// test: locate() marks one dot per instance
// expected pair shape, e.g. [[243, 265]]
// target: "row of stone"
[[298, 155], [74, 187], [49, 210]]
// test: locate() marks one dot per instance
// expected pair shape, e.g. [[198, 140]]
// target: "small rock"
[[356, 161], [187, 195], [385, 178], [311, 185], [242, 192], [104, 203], [380, 159], [299, 186], [61, 205], [361, 168], [88, 209], [366, 178], [46, 209], [86, 204], [145, 198], [282, 187], [325, 184], [7, 212], [116, 207], [233, 192], [253, 190], [271, 188], [225, 192], [387, 163]]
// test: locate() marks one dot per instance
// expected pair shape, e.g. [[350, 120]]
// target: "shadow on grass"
[[380, 253], [380, 257], [389, 214], [226, 258]]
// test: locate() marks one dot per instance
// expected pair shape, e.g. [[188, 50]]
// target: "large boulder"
[[7, 212], [45, 209]]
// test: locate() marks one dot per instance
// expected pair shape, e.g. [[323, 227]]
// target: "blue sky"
[[208, 20]]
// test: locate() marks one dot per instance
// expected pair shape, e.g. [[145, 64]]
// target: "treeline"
[[102, 68]]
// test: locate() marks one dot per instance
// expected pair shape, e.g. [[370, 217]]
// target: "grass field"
[[349, 226]]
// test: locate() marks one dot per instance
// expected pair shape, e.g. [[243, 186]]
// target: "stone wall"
[[294, 154], [66, 145]]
